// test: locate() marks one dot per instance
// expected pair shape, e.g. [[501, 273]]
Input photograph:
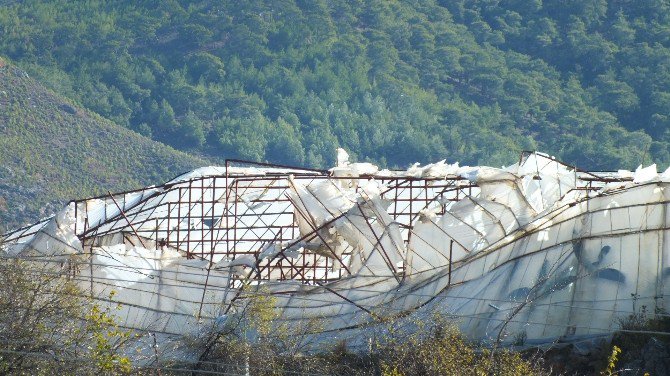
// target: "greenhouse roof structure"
[[538, 250]]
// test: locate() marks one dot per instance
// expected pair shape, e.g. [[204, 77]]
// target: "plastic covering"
[[538, 250]]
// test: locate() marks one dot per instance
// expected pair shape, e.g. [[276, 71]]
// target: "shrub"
[[48, 327], [434, 348]]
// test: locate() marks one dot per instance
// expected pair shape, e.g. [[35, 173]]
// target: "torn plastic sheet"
[[536, 250]]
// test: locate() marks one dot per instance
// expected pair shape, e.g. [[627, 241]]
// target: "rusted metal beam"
[[126, 218]]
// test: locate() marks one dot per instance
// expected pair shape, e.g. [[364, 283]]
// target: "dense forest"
[[393, 82]]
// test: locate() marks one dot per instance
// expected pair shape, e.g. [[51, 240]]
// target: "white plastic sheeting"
[[536, 250]]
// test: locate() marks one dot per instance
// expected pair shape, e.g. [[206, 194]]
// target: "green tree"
[[616, 96]]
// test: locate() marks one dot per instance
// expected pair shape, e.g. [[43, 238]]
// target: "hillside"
[[52, 151], [393, 82]]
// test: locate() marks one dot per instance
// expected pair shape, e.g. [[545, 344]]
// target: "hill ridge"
[[52, 151]]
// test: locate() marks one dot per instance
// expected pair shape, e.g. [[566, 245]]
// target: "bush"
[[434, 348], [48, 327], [438, 348]]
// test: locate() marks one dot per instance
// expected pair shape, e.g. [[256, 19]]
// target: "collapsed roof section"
[[538, 250]]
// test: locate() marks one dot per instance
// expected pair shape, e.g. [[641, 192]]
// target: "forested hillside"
[[394, 82], [52, 152]]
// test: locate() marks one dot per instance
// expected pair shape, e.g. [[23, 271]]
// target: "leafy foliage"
[[48, 327], [106, 338], [439, 348], [435, 347], [610, 369], [393, 82]]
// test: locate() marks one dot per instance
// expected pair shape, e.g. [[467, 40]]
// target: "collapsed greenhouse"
[[538, 250]]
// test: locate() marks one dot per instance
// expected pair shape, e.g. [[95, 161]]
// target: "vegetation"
[[393, 82], [610, 369], [52, 151], [440, 349], [256, 344], [644, 338], [48, 327]]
